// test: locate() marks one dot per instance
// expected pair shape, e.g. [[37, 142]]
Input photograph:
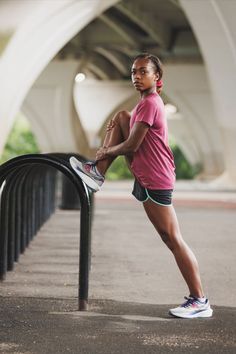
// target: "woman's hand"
[[101, 153], [110, 125]]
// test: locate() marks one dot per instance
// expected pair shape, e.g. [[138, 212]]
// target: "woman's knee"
[[121, 117], [172, 240], [125, 114]]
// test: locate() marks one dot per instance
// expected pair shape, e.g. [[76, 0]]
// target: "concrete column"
[[215, 29], [179, 130], [187, 87]]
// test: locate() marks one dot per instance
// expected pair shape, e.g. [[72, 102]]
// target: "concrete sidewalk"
[[133, 282]]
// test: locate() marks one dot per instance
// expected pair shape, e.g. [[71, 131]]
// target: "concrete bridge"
[[45, 44]]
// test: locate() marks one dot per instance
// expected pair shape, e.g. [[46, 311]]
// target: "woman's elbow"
[[132, 149]]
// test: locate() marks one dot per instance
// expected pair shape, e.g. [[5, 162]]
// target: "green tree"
[[119, 170], [20, 140], [184, 170]]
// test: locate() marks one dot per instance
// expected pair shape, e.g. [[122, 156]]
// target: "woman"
[[143, 139]]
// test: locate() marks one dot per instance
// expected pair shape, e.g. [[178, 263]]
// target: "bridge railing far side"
[[28, 198]]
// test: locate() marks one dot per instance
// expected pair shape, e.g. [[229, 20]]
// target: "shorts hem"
[[141, 201], [154, 201], [140, 192]]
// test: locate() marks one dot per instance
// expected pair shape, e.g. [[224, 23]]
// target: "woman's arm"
[[129, 146]]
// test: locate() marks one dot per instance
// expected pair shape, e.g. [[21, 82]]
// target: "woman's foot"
[[192, 308], [88, 172]]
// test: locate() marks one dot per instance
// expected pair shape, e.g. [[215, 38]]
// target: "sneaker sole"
[[85, 178], [204, 314]]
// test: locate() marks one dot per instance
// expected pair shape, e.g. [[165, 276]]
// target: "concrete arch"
[[218, 45], [50, 108], [35, 43], [95, 100], [125, 105]]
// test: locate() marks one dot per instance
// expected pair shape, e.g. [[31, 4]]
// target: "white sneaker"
[[88, 173], [192, 308]]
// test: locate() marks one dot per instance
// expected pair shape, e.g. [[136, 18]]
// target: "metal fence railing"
[[28, 198]]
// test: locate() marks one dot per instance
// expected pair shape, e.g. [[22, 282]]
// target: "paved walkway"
[[133, 281]]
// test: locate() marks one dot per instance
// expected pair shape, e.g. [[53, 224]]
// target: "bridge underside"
[[100, 41]]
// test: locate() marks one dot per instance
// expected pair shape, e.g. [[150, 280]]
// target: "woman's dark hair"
[[155, 61]]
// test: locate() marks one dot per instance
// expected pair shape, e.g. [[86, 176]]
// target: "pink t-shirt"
[[153, 162]]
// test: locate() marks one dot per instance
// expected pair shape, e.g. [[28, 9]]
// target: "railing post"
[[3, 234], [85, 251]]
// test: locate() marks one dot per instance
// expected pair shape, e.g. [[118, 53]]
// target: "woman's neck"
[[148, 92]]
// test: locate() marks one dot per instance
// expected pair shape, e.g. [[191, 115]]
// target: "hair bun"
[[159, 83]]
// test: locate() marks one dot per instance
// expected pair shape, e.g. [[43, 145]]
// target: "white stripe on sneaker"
[[192, 308], [90, 178], [88, 181]]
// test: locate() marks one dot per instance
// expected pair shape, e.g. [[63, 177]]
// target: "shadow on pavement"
[[44, 326]]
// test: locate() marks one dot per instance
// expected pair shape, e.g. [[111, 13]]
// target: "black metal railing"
[[28, 198]]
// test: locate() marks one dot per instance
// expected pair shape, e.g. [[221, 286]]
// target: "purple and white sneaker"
[[192, 308], [88, 172]]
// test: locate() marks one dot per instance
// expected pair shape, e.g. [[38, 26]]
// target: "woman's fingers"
[[110, 125], [101, 153], [99, 157]]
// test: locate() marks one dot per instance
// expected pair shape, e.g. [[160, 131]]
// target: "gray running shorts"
[[158, 196]]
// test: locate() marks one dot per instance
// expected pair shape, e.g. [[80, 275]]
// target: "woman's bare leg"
[[165, 222], [115, 136]]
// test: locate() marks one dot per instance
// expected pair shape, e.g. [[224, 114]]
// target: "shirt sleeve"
[[146, 112]]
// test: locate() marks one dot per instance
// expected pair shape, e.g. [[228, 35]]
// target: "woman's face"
[[143, 74]]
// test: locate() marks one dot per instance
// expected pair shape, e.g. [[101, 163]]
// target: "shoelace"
[[90, 168], [190, 301], [87, 167]]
